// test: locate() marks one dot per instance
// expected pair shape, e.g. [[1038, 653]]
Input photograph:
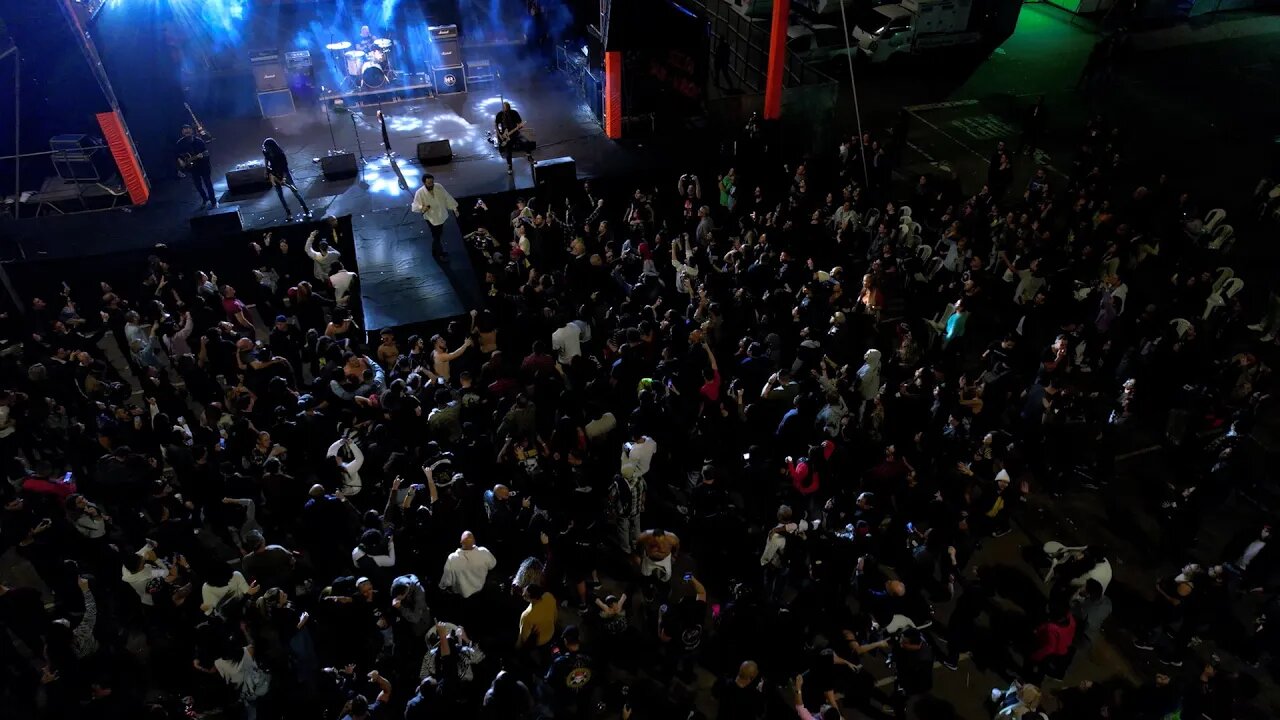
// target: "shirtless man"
[[441, 357], [655, 549]]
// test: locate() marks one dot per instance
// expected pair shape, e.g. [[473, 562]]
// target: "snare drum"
[[378, 56], [355, 61]]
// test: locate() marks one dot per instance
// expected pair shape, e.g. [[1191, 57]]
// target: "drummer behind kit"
[[367, 69]]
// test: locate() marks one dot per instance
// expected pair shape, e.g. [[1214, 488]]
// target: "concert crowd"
[[738, 446]]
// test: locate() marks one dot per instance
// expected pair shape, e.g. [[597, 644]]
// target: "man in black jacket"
[[913, 658], [572, 677]]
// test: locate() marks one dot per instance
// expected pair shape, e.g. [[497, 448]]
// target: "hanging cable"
[[853, 85]]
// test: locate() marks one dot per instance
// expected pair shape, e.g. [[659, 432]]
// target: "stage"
[[559, 122], [401, 285]]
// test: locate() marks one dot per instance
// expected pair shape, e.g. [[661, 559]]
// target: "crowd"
[[756, 427]]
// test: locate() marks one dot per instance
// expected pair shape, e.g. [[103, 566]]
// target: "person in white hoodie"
[[223, 584], [869, 376], [348, 470], [322, 255]]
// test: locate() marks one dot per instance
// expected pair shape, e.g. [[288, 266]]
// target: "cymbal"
[[338, 45], [383, 43]]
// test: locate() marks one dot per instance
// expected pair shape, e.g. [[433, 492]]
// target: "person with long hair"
[[279, 176]]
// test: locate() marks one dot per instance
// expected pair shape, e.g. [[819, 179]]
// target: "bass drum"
[[372, 75]]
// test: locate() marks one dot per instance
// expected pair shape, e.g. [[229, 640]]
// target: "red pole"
[[777, 60], [613, 94]]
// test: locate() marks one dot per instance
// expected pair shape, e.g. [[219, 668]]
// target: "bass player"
[[507, 125]]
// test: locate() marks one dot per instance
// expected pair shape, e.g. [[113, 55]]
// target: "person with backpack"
[[626, 500], [784, 549]]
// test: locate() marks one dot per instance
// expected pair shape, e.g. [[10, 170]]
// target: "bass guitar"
[[503, 137]]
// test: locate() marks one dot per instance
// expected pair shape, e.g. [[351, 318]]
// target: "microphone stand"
[[333, 139], [359, 149]]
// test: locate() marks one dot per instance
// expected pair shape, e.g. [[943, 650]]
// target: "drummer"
[[366, 39]]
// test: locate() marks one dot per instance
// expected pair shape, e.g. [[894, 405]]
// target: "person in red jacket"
[[806, 473], [42, 482], [1051, 646]]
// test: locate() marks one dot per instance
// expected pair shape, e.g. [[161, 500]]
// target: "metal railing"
[[747, 40]]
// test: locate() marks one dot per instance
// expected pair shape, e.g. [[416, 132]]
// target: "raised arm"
[[357, 459], [309, 247]]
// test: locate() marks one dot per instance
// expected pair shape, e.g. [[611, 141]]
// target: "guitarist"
[[280, 178], [193, 157], [508, 124]]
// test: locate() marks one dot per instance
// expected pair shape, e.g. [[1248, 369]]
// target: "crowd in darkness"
[[756, 426]]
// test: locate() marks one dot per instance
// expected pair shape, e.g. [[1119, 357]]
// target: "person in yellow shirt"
[[538, 621]]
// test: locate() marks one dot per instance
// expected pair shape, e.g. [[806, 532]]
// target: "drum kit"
[[365, 69]]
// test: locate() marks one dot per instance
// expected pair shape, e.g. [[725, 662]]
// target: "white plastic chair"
[[1223, 235], [1211, 304], [925, 251], [904, 212], [1211, 220], [1110, 267], [1181, 325], [1224, 274], [1233, 287], [872, 220], [1121, 294], [1057, 553]]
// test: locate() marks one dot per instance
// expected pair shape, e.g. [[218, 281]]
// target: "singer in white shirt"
[[435, 203]]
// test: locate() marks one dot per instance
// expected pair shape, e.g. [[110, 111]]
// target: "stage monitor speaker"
[[276, 103], [270, 76], [435, 152], [219, 222], [337, 167], [556, 174], [248, 180]]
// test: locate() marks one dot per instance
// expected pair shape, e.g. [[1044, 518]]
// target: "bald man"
[[466, 568], [742, 698]]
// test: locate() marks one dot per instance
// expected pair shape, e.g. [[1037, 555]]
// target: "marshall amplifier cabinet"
[[445, 39], [268, 71]]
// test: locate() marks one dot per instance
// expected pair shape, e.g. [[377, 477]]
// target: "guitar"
[[504, 136], [189, 159], [197, 125]]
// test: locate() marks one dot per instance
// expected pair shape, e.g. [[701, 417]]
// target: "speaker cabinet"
[[337, 167], [449, 80], [248, 180], [556, 174], [435, 152], [276, 103], [219, 222], [270, 76], [450, 52]]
